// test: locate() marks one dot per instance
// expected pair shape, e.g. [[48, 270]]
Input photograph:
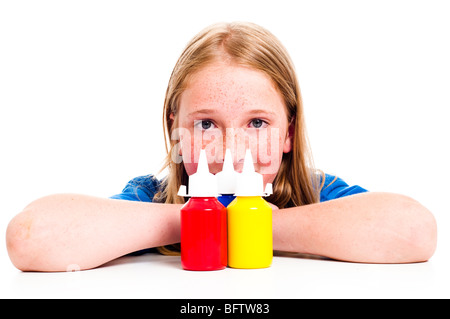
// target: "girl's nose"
[[238, 141]]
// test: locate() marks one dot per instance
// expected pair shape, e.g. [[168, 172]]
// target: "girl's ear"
[[289, 141]]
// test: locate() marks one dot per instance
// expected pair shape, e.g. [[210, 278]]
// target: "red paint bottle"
[[203, 222]]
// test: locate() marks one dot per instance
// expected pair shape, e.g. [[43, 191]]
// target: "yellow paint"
[[249, 233]]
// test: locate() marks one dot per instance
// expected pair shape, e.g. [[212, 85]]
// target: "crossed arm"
[[58, 231]]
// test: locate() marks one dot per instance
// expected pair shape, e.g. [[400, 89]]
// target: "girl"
[[233, 86]]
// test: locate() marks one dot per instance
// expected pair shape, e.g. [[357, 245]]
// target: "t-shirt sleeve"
[[142, 188], [334, 187]]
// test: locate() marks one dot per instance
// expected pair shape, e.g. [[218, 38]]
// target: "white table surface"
[[291, 276], [157, 276]]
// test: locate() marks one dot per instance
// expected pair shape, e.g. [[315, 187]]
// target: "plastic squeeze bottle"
[[250, 243], [226, 180], [203, 222]]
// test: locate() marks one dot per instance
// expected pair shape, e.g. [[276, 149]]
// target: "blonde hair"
[[250, 45]]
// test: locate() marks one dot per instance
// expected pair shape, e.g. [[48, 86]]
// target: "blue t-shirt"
[[144, 188]]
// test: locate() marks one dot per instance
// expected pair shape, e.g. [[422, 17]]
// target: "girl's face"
[[230, 106]]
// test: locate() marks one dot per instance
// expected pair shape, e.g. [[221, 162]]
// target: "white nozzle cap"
[[249, 182], [269, 190], [202, 183], [182, 191], [226, 179]]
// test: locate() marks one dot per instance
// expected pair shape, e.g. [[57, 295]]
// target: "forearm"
[[370, 227], [67, 230]]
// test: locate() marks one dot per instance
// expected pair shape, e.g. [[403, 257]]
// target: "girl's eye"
[[258, 123], [204, 124]]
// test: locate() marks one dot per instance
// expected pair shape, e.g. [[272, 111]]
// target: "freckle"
[[28, 231], [25, 230]]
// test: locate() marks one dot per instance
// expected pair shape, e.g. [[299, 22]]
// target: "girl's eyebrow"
[[201, 111], [262, 111]]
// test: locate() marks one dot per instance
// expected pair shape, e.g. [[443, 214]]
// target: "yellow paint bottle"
[[250, 243]]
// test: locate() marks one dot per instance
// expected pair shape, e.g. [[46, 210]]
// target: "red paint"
[[203, 234]]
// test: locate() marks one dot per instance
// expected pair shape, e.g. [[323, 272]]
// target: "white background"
[[82, 85]]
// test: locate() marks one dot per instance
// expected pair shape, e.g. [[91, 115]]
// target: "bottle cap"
[[226, 179], [202, 183], [249, 182]]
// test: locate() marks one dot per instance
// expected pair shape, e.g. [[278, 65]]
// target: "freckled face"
[[227, 105]]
